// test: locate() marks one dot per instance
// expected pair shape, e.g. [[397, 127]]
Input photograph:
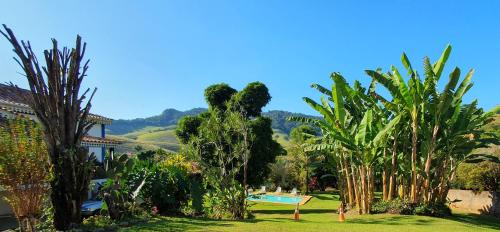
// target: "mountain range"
[[159, 131]]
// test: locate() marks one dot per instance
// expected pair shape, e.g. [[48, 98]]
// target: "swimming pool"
[[275, 199]]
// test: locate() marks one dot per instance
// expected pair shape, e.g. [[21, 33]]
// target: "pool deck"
[[305, 198]]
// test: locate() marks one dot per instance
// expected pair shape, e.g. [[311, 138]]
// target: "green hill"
[[159, 131], [153, 138]]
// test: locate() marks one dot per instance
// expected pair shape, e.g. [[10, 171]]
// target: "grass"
[[281, 137], [150, 138], [319, 215]]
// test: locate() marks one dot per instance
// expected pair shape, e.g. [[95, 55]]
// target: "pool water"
[[275, 199]]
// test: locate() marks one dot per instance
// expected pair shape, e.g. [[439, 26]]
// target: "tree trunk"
[[392, 178], [371, 183], [245, 168], [401, 189], [384, 177], [70, 187], [357, 191], [428, 163], [340, 184], [348, 180], [364, 190], [414, 161]]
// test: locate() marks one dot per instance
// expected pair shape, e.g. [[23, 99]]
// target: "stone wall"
[[475, 202]]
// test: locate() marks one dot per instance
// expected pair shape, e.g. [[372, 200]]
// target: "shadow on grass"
[[181, 224], [393, 220], [471, 220], [325, 197], [484, 221], [286, 211]]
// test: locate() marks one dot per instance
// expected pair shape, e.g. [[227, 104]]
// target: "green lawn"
[[319, 215]]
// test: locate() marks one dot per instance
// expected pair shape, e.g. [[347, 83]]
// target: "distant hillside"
[[170, 117], [280, 121], [167, 118], [158, 131]]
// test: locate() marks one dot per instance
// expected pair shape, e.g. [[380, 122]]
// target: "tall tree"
[[57, 102], [248, 103]]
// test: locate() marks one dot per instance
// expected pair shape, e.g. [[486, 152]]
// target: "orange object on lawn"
[[341, 213], [296, 213]]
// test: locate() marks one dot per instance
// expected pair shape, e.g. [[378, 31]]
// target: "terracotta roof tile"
[[16, 99], [99, 140]]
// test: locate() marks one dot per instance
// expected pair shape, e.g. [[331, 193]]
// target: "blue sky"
[[150, 55]]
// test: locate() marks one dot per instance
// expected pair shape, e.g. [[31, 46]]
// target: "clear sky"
[[147, 56]]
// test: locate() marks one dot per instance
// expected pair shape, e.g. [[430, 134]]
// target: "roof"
[[98, 141], [14, 100]]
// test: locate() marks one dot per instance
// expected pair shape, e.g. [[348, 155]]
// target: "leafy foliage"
[[218, 95], [198, 131], [24, 170], [119, 194], [360, 128]]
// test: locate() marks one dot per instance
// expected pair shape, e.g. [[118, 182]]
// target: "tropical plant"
[[166, 184], [362, 131], [119, 192], [24, 170]]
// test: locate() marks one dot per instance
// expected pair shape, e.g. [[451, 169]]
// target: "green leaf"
[[381, 138], [406, 63], [447, 96], [364, 127], [402, 87], [322, 89], [463, 88], [337, 96], [439, 65]]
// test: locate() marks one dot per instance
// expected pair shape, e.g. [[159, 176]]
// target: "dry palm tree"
[[57, 102]]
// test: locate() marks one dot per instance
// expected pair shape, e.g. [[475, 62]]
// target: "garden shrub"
[[167, 184], [401, 206], [433, 209], [118, 192], [483, 176], [105, 223], [24, 170], [380, 207], [405, 207], [226, 203]]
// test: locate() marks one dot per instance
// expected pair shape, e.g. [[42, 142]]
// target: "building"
[[12, 103]]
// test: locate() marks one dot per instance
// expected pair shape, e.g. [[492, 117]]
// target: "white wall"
[[95, 131], [97, 152]]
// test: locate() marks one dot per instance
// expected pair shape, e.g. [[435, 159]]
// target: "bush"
[[118, 192], [433, 209], [380, 207], [24, 170], [405, 207], [167, 184], [484, 176], [104, 223], [395, 206], [401, 206], [226, 203]]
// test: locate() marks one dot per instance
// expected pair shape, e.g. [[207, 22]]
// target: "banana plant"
[[415, 99], [359, 129]]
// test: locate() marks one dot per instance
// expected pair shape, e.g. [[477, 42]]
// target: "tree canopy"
[[248, 103]]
